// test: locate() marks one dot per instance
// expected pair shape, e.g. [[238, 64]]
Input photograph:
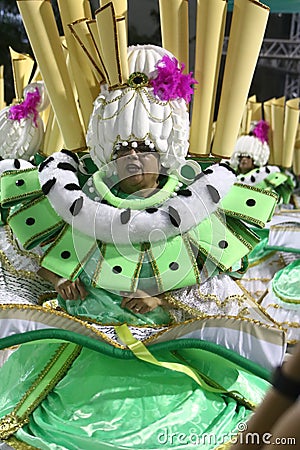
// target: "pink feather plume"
[[261, 131], [170, 83], [27, 107]]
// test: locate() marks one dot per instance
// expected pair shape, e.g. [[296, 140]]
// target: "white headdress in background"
[[21, 128], [255, 145]]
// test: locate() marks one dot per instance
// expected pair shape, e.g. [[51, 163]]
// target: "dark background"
[[144, 27]]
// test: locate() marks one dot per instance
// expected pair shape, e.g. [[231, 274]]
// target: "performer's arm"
[[277, 418], [68, 290], [143, 302]]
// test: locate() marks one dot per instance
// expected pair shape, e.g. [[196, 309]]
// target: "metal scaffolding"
[[284, 55]]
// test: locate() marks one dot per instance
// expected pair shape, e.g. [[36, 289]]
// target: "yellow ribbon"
[[141, 352]]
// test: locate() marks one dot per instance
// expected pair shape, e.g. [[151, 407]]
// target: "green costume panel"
[[222, 237]]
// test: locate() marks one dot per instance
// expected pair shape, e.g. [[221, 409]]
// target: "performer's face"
[[245, 164], [138, 168]]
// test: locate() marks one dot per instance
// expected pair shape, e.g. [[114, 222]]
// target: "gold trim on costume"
[[11, 423], [285, 227], [16, 419], [134, 280], [187, 244], [86, 329], [263, 280], [101, 259], [19, 445], [60, 315], [256, 189], [15, 245], [241, 216], [260, 308], [286, 299], [155, 269], [260, 260]]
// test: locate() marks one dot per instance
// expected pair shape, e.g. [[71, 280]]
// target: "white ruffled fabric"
[[16, 257], [220, 295], [22, 138]]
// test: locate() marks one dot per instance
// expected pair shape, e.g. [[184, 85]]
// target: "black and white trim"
[[110, 224], [257, 176]]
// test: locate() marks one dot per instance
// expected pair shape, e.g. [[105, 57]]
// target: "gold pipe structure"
[[174, 22], [277, 121], [87, 87], [22, 67], [252, 114], [120, 8], [246, 120], [81, 32], [53, 141], [211, 18], [39, 21], [113, 45], [296, 159], [2, 101], [256, 109], [249, 20], [268, 117], [291, 122]]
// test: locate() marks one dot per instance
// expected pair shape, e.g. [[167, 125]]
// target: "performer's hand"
[[70, 290], [140, 302]]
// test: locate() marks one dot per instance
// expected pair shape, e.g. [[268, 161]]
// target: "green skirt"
[[105, 398]]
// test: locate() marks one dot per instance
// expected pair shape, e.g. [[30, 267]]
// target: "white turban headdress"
[[138, 112]]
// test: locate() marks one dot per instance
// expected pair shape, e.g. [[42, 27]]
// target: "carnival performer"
[[250, 160], [133, 276], [151, 251], [252, 151], [133, 206]]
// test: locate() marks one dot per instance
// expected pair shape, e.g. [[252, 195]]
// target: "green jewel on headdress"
[[138, 80]]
